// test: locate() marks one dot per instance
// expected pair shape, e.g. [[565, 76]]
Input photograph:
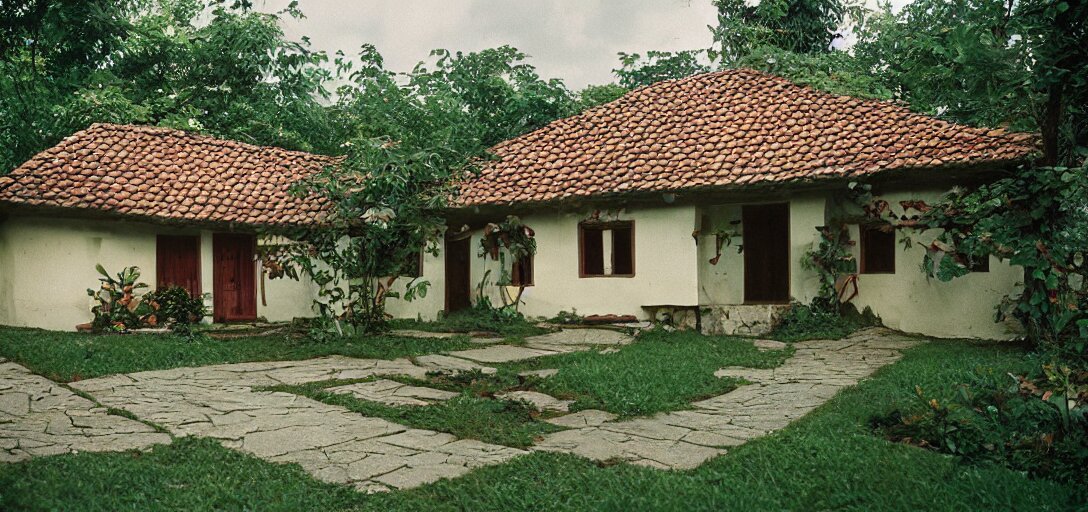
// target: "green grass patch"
[[502, 322], [69, 356], [466, 416], [828, 460], [660, 371]]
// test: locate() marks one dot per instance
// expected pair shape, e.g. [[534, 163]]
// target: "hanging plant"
[[723, 237]]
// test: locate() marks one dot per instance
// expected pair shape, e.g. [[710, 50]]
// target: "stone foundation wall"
[[742, 319]]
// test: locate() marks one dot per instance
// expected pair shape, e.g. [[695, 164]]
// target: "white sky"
[[576, 40]]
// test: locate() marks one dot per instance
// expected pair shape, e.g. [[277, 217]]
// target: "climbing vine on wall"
[[834, 262], [519, 243]]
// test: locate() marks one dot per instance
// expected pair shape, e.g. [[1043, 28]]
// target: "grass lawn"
[[67, 356], [682, 365], [466, 416], [828, 460]]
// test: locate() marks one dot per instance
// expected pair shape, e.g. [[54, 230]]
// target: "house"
[[184, 208], [638, 208], [628, 201]]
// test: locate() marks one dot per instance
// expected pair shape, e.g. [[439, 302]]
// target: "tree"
[[638, 71], [594, 95], [197, 65], [409, 138], [990, 63], [798, 26]]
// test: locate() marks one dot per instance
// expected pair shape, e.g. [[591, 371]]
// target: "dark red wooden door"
[[766, 253], [458, 286], [177, 262], [234, 277]]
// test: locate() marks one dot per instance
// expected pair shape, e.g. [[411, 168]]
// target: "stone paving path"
[[330, 442], [40, 417], [372, 454], [686, 439], [388, 392]]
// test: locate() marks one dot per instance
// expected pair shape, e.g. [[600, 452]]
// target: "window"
[[521, 274], [877, 250], [606, 249], [981, 264], [413, 265], [177, 262]]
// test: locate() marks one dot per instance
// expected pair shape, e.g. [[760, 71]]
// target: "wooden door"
[[234, 277], [177, 263], [766, 253], [458, 265]]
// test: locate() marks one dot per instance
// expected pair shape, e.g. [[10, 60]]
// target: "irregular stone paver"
[[394, 393], [765, 345], [583, 418], [685, 439], [560, 342], [40, 417], [501, 353], [543, 374], [331, 443], [412, 333], [539, 401], [446, 364]]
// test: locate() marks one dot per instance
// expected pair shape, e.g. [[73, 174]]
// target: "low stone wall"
[[742, 319]]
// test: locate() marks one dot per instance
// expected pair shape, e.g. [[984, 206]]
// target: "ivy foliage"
[[1036, 219]]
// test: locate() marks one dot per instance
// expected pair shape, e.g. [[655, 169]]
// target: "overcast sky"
[[576, 40]]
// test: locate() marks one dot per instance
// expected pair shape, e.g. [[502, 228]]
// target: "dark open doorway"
[[766, 253], [458, 270]]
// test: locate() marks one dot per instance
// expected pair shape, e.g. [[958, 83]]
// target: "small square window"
[[981, 264], [616, 259], [877, 250], [521, 274], [413, 265]]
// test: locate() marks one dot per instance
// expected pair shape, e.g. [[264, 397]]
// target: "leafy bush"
[[1036, 424], [118, 307], [176, 307], [814, 321], [483, 316]]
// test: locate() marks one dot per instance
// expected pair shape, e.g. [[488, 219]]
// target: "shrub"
[[813, 321], [1035, 424], [176, 307], [119, 307]]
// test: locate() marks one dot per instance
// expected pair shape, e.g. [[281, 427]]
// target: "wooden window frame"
[[604, 226], [419, 267], [863, 267], [515, 279]]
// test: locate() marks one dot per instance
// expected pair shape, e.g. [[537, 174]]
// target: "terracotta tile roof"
[[167, 174], [726, 129]]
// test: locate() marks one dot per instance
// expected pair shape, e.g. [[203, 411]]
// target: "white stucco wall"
[[48, 264], [724, 283], [665, 268], [665, 265], [909, 301], [429, 306]]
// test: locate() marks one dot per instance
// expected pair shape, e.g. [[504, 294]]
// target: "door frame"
[[448, 263], [219, 313], [788, 270]]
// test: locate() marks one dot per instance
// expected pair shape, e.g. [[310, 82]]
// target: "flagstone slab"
[[539, 401], [501, 353], [39, 417], [683, 439], [393, 393], [583, 418]]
